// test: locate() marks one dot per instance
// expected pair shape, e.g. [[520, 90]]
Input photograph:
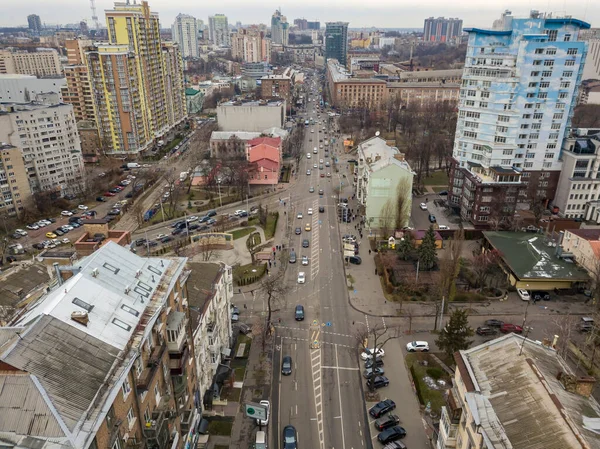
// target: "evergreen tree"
[[427, 251], [455, 334], [406, 247]]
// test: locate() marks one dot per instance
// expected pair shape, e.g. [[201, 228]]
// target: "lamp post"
[[219, 187]]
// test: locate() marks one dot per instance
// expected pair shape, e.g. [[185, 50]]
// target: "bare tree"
[[403, 202], [207, 250], [374, 338], [563, 326], [275, 289], [386, 218], [450, 266]]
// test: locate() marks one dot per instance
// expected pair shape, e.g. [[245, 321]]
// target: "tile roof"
[[588, 234], [518, 401], [528, 256], [271, 141]]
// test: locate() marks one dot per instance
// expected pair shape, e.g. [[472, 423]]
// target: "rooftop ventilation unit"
[[80, 317], [95, 272]]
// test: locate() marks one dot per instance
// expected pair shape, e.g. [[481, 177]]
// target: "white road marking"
[[340, 367], [315, 358], [340, 397]]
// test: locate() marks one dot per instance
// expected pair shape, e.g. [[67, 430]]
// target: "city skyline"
[[383, 15]]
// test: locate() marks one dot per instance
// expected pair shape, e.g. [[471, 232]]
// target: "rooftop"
[[226, 135], [517, 400], [20, 281], [378, 154], [262, 103], [203, 277], [588, 234], [529, 257]]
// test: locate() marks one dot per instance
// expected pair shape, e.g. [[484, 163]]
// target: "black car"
[[177, 231], [432, 218], [391, 434], [101, 199], [194, 227], [354, 260], [305, 243], [298, 231], [16, 236], [38, 246], [115, 191], [486, 331], [178, 224], [129, 195], [53, 220], [377, 371], [494, 323], [443, 193], [538, 295], [381, 408], [299, 313], [204, 219], [166, 239], [369, 363], [290, 438], [387, 421], [321, 209], [286, 365], [152, 243], [140, 242], [395, 445], [378, 382]]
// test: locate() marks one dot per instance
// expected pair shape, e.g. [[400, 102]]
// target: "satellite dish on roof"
[[377, 134]]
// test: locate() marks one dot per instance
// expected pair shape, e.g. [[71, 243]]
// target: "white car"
[[267, 406], [192, 218], [66, 213], [299, 215], [308, 156], [368, 353], [523, 294], [67, 227], [315, 166], [320, 161], [160, 236], [33, 227], [21, 232], [301, 277], [65, 241], [82, 207], [310, 211], [312, 130], [414, 346], [443, 227], [308, 172], [239, 212], [304, 260], [423, 206]]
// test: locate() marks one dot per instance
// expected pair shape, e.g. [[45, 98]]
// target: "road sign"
[[256, 411], [315, 323], [328, 323]]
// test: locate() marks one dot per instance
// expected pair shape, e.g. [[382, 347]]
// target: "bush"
[[417, 384], [468, 297], [435, 373]]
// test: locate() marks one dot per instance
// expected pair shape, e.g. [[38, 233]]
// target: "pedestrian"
[[369, 252], [279, 320], [274, 263], [375, 271], [239, 290], [245, 306]]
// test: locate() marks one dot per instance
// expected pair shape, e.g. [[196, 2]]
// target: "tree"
[[406, 247], [275, 289], [403, 202], [450, 266], [454, 336], [386, 219], [207, 250], [427, 251], [375, 337], [484, 265]]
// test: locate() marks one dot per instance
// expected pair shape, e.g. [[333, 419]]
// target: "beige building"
[[423, 93], [14, 186], [516, 393], [42, 62], [116, 330], [347, 92], [583, 245], [247, 45], [78, 90], [46, 134]]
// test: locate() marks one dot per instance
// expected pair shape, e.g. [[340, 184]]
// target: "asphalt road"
[[322, 398]]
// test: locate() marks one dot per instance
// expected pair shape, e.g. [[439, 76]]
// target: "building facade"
[[277, 86], [517, 95], [423, 93], [34, 23], [47, 136], [137, 81], [336, 42], [280, 28], [382, 175], [248, 45], [251, 116], [302, 53], [313, 25], [442, 29], [347, 92], [591, 70], [218, 30], [184, 32], [78, 90], [14, 184], [231, 145], [24, 88], [91, 147], [42, 62]]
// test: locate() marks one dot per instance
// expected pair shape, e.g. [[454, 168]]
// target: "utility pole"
[[441, 313]]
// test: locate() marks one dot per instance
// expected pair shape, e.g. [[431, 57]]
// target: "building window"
[[126, 388], [572, 51], [500, 139], [130, 417], [552, 35]]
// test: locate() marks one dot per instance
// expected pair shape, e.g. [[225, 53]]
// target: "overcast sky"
[[360, 13]]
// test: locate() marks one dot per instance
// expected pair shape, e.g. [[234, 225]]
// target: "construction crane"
[[94, 14]]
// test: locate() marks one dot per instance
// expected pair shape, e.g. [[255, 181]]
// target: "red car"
[[109, 194], [507, 327]]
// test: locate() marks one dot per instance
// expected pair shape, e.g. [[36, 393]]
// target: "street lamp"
[[219, 187]]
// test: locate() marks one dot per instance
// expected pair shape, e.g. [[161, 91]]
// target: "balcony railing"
[[186, 421], [156, 431], [151, 367], [177, 365]]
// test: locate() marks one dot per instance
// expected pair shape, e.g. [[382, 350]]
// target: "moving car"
[[311, 190], [301, 277], [414, 346], [308, 172], [310, 211], [381, 408], [304, 260], [507, 328], [387, 421], [299, 313], [321, 209], [286, 365], [305, 243], [391, 434], [432, 218], [51, 235], [307, 227], [290, 439], [494, 323], [378, 382], [299, 215], [423, 206], [523, 294], [354, 260], [486, 331], [298, 231], [267, 405], [368, 353]]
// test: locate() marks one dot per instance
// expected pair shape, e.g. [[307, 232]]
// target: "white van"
[[315, 151], [261, 440]]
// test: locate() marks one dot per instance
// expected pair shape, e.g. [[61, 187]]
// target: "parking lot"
[[420, 218]]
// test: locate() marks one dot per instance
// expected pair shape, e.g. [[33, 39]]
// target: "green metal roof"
[[529, 257], [190, 91]]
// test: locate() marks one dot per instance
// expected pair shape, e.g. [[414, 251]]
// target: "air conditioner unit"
[[95, 272]]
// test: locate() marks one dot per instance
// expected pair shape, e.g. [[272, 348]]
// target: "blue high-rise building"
[[518, 92]]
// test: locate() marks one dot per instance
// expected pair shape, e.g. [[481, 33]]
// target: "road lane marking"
[[340, 367], [315, 359], [340, 397]]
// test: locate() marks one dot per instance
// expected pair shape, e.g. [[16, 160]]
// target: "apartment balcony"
[[114, 431], [152, 366], [156, 431], [177, 365], [187, 419], [176, 331]]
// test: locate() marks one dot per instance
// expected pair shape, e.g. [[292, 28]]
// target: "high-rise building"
[[14, 183], [46, 134], [336, 41], [35, 23], [247, 45], [441, 29], [218, 30], [313, 25], [517, 96], [137, 81], [42, 62], [185, 33], [280, 28], [302, 24], [78, 90]]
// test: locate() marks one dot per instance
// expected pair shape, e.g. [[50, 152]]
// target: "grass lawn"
[[239, 373], [437, 178], [438, 189], [239, 233], [231, 394], [159, 216], [220, 427], [245, 271], [435, 397], [271, 224]]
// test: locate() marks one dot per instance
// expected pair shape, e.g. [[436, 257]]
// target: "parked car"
[[301, 277], [414, 346], [377, 363], [51, 235], [66, 213], [378, 382], [387, 421], [33, 227], [377, 371], [59, 232], [305, 243], [290, 438], [432, 218], [391, 434], [523, 294], [286, 365], [423, 206], [368, 353], [486, 331], [82, 207], [267, 405], [538, 295], [354, 260], [507, 328], [21, 232], [494, 323]]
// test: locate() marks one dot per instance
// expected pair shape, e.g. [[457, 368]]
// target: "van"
[[292, 257], [261, 440], [586, 324]]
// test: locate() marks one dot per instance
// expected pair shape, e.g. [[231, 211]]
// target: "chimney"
[[582, 386]]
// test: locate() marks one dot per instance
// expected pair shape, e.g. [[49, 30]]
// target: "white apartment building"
[[47, 135], [24, 88], [42, 62], [578, 191], [218, 30], [210, 291], [185, 33]]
